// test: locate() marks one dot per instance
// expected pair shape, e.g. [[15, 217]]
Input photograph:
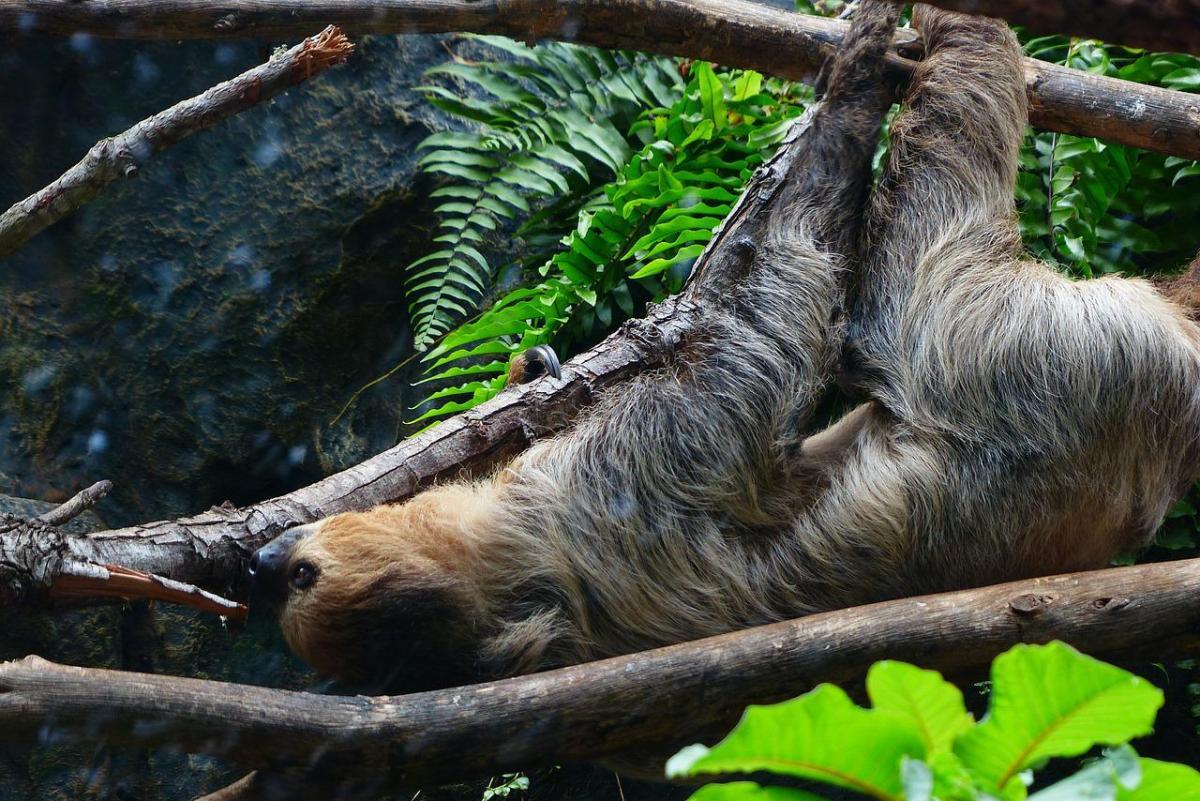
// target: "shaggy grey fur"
[[1015, 422]]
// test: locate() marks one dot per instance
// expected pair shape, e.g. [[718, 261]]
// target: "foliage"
[[637, 239], [917, 742], [549, 125], [1094, 207], [509, 783]]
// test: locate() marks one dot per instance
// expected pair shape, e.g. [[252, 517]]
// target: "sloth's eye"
[[303, 575]]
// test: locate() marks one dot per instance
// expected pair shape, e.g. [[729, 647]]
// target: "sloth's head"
[[384, 599]]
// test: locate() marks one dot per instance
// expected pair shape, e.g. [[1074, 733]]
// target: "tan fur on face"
[[424, 547]]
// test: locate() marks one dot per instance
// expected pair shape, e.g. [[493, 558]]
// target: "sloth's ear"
[[538, 361]]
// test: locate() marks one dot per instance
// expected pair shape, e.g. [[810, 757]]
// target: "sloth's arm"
[[948, 182], [716, 427]]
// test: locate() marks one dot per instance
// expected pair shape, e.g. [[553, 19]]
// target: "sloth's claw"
[[538, 361]]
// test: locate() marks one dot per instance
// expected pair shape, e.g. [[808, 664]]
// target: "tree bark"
[[737, 33], [651, 702], [1171, 25], [122, 155], [211, 549]]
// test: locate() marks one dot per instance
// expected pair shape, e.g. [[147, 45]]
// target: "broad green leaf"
[[821, 736], [932, 703], [747, 85], [749, 791], [1186, 79], [1051, 700], [712, 94], [1163, 781]]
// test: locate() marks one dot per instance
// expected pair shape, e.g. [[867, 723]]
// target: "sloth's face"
[[377, 600]]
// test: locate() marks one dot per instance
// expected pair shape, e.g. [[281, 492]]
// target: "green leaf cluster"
[[548, 123], [633, 241], [917, 742], [1094, 207]]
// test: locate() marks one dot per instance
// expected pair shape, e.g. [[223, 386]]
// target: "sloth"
[[1012, 422]]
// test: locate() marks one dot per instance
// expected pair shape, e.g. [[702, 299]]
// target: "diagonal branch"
[[122, 155], [78, 504], [738, 33], [646, 703], [211, 548], [79, 581]]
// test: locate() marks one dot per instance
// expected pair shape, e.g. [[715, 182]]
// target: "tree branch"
[[652, 702], [77, 505], [737, 33], [122, 155], [82, 580], [1170, 25]]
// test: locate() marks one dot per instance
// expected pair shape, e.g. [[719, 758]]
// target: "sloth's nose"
[[266, 562]]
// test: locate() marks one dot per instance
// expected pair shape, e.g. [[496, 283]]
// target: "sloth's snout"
[[268, 561], [269, 564]]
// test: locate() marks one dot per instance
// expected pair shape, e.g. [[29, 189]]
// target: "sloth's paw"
[[538, 361]]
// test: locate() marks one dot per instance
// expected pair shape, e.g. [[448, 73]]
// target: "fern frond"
[[551, 123], [634, 241]]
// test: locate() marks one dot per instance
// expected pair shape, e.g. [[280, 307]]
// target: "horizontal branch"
[[738, 33], [1165, 25], [121, 156], [211, 549], [650, 702]]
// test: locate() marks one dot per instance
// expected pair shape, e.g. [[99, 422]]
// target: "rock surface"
[[191, 332]]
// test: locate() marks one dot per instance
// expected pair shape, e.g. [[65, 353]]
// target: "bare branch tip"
[[328, 48], [77, 505]]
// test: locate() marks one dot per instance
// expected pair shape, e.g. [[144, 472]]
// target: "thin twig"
[[124, 154], [80, 503], [82, 580]]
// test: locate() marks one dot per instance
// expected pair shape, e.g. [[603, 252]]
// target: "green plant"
[[635, 240], [917, 742], [509, 783], [548, 126], [1095, 207]]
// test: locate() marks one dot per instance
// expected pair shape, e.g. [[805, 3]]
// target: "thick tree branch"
[[649, 702], [1170, 25], [122, 155], [738, 33]]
